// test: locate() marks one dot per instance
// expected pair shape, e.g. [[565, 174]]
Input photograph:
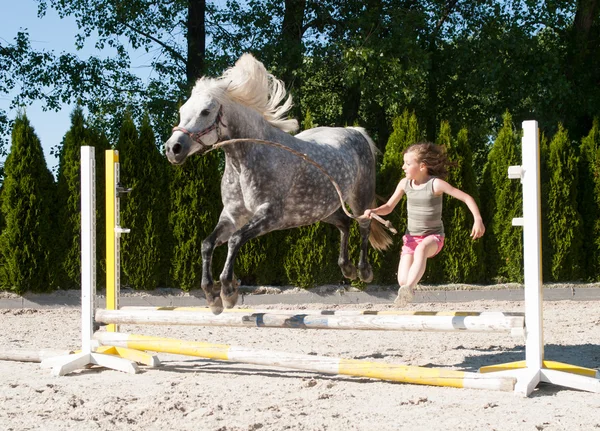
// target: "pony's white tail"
[[379, 238]]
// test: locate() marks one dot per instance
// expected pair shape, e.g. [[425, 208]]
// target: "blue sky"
[[49, 33]]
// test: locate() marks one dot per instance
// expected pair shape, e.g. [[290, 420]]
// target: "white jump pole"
[[535, 369], [471, 322]]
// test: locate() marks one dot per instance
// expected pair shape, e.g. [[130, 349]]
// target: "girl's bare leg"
[[406, 261], [424, 251]]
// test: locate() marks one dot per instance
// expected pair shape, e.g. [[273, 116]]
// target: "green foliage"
[[501, 201], [589, 202], [462, 257], [144, 210], [564, 221], [28, 240], [259, 261], [308, 122], [311, 256], [69, 202], [544, 186], [406, 132], [195, 207]]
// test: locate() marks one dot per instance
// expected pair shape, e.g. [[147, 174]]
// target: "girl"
[[425, 167]]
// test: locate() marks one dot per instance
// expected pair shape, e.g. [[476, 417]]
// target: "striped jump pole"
[[473, 322], [318, 364]]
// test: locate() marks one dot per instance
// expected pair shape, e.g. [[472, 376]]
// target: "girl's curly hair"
[[434, 156]]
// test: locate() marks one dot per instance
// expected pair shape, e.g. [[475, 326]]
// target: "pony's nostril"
[[176, 148]]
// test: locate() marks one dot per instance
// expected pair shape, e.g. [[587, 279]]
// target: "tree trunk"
[[581, 68], [292, 31], [196, 40]]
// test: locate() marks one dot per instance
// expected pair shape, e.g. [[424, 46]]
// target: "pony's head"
[[204, 119]]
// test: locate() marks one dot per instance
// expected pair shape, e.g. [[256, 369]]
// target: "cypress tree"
[[544, 186], [502, 200], [195, 208], [101, 144], [405, 133], [462, 257], [261, 260], [144, 210], [69, 204], [564, 220], [589, 204], [27, 243]]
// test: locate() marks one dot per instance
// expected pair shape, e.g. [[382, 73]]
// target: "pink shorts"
[[412, 241]]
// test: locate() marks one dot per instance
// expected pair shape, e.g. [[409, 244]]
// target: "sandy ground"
[[196, 394]]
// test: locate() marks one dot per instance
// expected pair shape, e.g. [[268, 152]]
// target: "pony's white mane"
[[249, 84]]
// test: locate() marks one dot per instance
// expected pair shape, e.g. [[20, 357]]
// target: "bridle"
[[196, 136]]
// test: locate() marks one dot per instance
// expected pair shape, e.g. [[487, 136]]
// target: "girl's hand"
[[478, 229], [367, 213]]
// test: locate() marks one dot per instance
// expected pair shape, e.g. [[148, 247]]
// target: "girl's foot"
[[405, 295]]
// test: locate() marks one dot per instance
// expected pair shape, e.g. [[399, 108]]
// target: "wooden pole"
[[30, 355]]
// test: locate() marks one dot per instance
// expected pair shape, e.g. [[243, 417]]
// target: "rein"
[[304, 157]]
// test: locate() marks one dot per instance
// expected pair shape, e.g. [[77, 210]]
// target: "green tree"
[[144, 210], [502, 200], [69, 202], [28, 240], [564, 220], [195, 206], [544, 187], [406, 132], [589, 203], [462, 257]]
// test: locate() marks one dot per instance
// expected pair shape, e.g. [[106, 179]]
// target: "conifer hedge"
[[194, 190], [589, 202], [462, 256], [173, 208], [501, 202], [405, 133], [28, 253], [564, 221], [145, 209]]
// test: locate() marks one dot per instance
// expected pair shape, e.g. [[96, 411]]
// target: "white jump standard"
[[535, 369]]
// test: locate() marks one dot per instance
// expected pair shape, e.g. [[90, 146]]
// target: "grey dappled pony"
[[265, 188]]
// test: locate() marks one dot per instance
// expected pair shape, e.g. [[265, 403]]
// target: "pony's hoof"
[[216, 305], [349, 271], [366, 274], [229, 301]]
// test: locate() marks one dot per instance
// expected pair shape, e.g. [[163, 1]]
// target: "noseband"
[[195, 136]]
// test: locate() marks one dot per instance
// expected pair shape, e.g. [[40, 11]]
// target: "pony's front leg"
[[365, 271], [263, 221], [219, 235]]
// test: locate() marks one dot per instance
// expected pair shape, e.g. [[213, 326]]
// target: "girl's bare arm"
[[389, 206], [441, 186]]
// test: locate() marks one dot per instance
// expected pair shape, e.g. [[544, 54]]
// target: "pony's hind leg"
[[219, 235], [365, 271], [340, 220]]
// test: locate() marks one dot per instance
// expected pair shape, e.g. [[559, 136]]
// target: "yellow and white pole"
[[113, 233], [319, 364], [112, 240]]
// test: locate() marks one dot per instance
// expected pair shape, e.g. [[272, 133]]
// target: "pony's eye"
[[205, 112]]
